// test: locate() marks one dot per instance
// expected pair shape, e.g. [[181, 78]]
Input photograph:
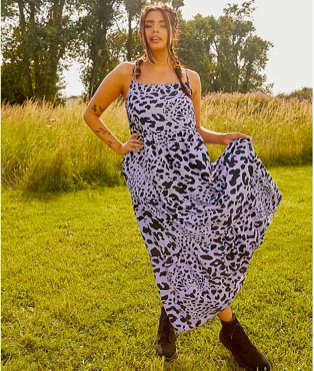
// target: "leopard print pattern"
[[200, 221]]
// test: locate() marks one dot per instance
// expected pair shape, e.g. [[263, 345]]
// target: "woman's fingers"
[[135, 145], [134, 135]]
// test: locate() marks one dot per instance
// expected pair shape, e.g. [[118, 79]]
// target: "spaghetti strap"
[[188, 81], [187, 76], [133, 70]]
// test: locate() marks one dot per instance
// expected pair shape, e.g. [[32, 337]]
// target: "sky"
[[285, 23]]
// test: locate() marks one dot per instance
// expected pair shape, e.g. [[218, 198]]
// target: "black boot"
[[166, 338], [234, 338]]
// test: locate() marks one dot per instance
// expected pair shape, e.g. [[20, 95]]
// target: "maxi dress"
[[200, 221]]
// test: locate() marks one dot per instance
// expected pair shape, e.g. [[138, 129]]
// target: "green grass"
[[46, 149], [78, 291]]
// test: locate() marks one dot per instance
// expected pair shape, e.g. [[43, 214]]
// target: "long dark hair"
[[171, 19]]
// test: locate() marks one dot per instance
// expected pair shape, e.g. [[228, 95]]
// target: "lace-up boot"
[[234, 338], [166, 338]]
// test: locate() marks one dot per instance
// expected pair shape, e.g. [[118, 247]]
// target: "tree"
[[225, 51], [239, 54], [93, 40], [38, 34], [133, 9], [302, 94], [194, 48]]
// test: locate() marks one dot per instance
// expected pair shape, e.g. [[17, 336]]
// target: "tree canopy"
[[41, 37]]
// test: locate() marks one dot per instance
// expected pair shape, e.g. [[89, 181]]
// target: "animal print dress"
[[200, 220]]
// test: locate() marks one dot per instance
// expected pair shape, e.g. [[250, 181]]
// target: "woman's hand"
[[229, 137], [132, 145]]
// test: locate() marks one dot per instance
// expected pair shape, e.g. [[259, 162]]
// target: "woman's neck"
[[161, 60]]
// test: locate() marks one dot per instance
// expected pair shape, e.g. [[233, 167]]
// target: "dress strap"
[[133, 71], [187, 76], [188, 81]]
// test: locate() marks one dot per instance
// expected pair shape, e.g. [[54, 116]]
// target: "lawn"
[[78, 292]]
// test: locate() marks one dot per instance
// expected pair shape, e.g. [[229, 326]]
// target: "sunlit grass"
[[78, 291], [52, 149]]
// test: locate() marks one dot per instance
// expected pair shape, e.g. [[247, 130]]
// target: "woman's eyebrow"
[[150, 21]]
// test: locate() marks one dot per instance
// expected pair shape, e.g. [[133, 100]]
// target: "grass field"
[[46, 149], [78, 291]]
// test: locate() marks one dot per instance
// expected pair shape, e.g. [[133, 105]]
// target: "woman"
[[200, 221]]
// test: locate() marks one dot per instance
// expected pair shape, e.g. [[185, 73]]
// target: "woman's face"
[[155, 30]]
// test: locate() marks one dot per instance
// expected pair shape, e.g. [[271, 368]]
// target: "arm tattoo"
[[104, 131], [101, 130], [101, 109]]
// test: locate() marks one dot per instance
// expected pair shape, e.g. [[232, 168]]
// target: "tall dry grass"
[[52, 149], [281, 128]]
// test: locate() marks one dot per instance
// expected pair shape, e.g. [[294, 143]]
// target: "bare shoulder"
[[124, 69], [123, 76], [126, 76], [114, 84], [194, 76], [195, 82]]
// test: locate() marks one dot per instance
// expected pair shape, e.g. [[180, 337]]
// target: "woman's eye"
[[148, 26]]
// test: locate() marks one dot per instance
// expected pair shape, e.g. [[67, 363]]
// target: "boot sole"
[[175, 356], [168, 359]]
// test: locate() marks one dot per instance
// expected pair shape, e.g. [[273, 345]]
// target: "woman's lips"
[[154, 40]]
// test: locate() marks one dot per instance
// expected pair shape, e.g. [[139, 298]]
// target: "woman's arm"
[[208, 136], [110, 88]]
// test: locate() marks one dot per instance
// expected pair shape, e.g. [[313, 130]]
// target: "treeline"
[[300, 94], [38, 36]]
